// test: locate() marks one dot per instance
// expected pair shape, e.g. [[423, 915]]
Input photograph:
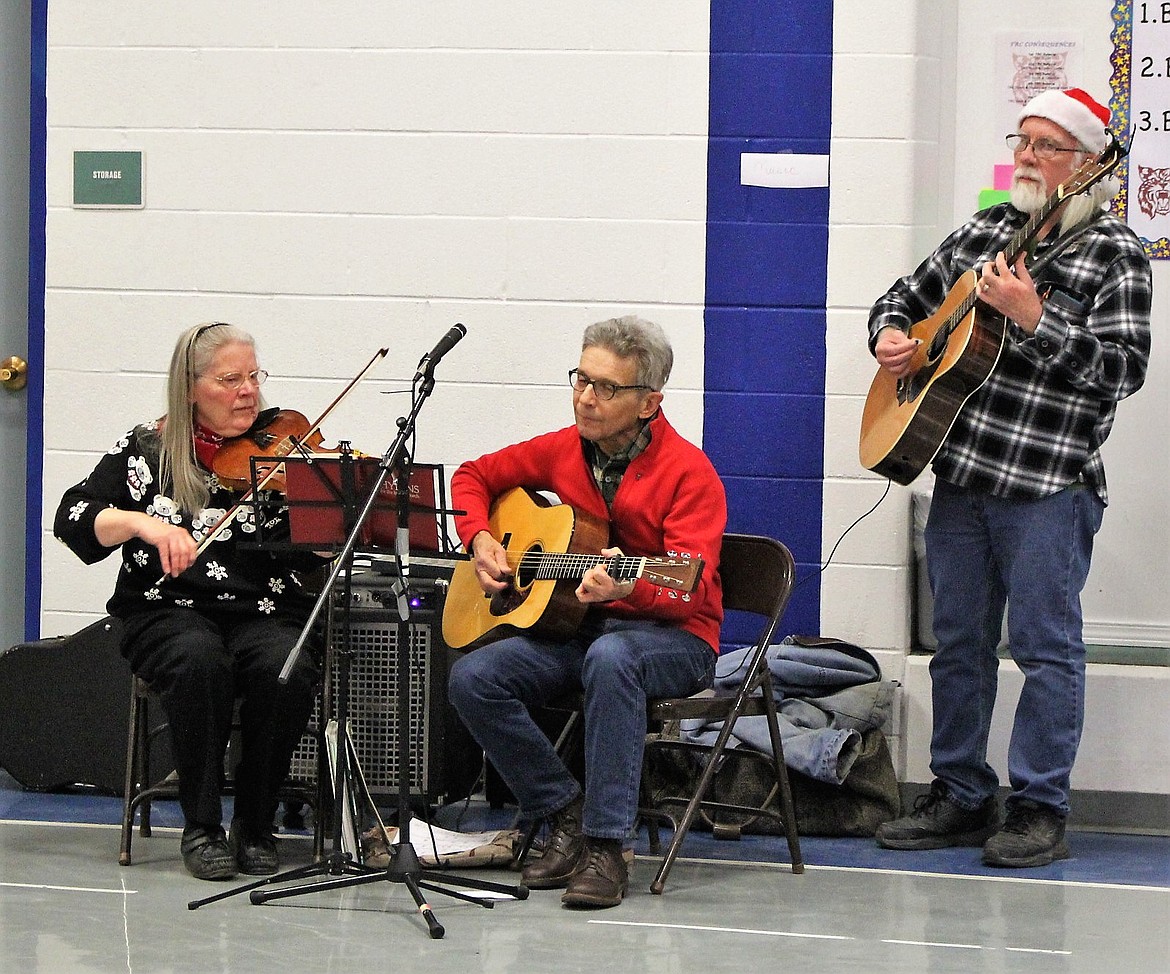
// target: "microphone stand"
[[342, 762], [404, 866]]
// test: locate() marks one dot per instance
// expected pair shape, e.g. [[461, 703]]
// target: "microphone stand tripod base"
[[404, 868], [338, 864]]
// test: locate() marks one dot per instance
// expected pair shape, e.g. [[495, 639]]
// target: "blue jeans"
[[983, 551], [618, 664]]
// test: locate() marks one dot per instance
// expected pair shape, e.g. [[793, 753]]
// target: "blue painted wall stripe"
[[767, 252], [38, 119]]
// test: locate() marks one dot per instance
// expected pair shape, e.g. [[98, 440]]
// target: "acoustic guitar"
[[550, 548], [906, 420]]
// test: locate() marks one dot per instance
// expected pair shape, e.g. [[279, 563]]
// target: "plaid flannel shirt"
[[1037, 424]]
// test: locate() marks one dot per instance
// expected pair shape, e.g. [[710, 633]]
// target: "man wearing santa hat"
[[1019, 484]]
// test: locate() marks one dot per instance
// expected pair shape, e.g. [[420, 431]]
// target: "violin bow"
[[230, 513]]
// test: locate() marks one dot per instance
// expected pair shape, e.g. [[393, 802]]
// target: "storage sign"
[[107, 179]]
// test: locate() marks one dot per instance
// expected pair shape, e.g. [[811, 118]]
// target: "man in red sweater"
[[624, 464]]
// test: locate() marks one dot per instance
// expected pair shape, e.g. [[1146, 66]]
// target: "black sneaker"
[[1032, 835], [936, 822], [254, 850], [206, 853]]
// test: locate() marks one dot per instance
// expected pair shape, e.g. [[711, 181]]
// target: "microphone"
[[426, 365]]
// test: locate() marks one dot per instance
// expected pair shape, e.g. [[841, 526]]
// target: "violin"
[[289, 433], [235, 468]]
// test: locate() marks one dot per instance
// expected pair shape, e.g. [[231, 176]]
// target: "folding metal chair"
[[758, 575]]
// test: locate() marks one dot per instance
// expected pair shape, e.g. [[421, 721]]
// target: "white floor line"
[[1073, 883], [66, 889], [821, 936], [710, 929]]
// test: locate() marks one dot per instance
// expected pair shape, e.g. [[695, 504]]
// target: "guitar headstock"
[[681, 572], [1094, 170]]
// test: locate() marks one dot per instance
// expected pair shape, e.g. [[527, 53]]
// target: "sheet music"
[[349, 834], [446, 842]]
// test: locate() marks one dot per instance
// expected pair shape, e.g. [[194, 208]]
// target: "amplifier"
[[439, 761]]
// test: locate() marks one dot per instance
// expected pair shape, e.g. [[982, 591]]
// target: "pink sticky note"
[[1003, 177]]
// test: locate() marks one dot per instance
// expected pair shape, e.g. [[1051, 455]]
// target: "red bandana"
[[207, 445]]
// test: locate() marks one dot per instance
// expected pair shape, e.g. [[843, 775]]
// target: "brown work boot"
[[602, 880], [564, 850]]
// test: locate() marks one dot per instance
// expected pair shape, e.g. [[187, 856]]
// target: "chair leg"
[[654, 835], [648, 813], [709, 769], [144, 797], [133, 756], [781, 772]]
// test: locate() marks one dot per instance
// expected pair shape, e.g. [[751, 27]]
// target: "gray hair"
[[636, 338], [178, 467], [1088, 204]]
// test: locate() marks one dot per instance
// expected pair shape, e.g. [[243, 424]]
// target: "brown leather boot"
[[563, 850], [603, 879]]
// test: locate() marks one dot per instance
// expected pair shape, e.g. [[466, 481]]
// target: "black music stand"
[[404, 866]]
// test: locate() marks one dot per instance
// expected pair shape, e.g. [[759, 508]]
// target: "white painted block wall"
[[360, 174]]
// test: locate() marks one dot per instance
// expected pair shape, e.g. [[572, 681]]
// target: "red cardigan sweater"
[[670, 500]]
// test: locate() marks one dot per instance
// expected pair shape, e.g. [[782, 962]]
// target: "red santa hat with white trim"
[[1075, 111]]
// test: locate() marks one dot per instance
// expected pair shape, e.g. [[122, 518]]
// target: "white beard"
[[1028, 197]]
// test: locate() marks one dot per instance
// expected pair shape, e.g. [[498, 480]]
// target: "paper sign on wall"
[[783, 170]]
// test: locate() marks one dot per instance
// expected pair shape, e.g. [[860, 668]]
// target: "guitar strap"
[[1062, 243]]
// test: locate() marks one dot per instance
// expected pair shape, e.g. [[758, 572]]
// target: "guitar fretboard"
[[566, 565]]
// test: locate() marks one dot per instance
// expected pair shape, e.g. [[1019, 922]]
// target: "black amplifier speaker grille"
[[374, 687]]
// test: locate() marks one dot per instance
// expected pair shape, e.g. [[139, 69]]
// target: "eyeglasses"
[[233, 380], [602, 389], [1043, 148]]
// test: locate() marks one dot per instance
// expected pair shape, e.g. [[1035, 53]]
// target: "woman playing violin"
[[204, 621]]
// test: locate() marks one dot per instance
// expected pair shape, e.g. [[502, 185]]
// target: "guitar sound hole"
[[910, 387], [506, 601], [515, 594], [938, 345], [526, 570]]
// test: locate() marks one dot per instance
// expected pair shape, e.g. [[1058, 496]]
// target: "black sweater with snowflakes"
[[232, 576]]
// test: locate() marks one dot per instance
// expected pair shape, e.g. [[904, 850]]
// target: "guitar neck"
[[568, 565], [1016, 246], [1023, 237], [679, 572]]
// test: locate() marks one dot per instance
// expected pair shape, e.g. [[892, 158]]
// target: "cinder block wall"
[[364, 175]]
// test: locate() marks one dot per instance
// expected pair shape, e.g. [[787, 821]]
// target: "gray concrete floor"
[[67, 906]]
